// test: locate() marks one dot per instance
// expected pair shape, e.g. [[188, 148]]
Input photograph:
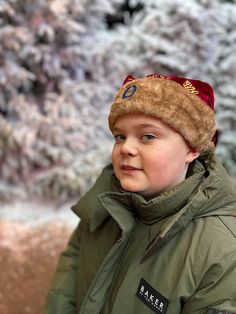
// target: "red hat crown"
[[199, 88]]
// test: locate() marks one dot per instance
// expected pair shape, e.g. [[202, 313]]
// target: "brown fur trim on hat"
[[170, 102]]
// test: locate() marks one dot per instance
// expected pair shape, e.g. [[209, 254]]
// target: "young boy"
[[158, 231]]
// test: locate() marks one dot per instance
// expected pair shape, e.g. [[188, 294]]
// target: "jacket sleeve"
[[217, 292], [61, 298]]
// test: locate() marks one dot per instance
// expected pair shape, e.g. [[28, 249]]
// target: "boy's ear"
[[192, 155]]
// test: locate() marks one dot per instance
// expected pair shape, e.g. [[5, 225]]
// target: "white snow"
[[35, 212]]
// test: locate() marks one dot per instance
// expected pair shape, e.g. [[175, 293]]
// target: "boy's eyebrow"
[[146, 125], [139, 126], [116, 129]]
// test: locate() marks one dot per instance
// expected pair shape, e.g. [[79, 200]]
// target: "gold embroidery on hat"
[[159, 76], [164, 77], [189, 86]]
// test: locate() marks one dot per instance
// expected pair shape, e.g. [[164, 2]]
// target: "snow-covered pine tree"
[[52, 117], [223, 73]]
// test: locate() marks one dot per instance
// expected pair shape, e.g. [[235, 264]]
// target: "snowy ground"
[[38, 212], [33, 233]]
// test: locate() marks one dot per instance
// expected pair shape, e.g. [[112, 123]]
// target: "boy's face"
[[148, 156]]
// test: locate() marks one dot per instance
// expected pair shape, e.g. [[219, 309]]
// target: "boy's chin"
[[131, 188]]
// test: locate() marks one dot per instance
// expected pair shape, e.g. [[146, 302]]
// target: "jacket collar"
[[197, 196], [124, 206]]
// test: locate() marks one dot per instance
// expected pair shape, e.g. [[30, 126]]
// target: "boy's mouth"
[[129, 168]]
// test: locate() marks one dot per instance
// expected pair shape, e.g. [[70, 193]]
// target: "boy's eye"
[[119, 138], [147, 137]]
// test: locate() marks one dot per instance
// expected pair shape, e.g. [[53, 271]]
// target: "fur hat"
[[186, 105]]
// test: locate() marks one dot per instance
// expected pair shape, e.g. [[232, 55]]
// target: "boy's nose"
[[129, 147]]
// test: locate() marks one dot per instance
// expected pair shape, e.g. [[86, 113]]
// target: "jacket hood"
[[217, 192]]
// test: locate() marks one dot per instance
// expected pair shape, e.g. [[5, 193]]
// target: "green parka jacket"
[[175, 253]]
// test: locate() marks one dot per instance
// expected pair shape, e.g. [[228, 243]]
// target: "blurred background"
[[61, 63]]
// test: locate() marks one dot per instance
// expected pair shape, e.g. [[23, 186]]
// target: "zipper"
[[112, 251], [125, 249]]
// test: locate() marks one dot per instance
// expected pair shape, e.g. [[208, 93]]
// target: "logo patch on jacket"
[[150, 297]]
